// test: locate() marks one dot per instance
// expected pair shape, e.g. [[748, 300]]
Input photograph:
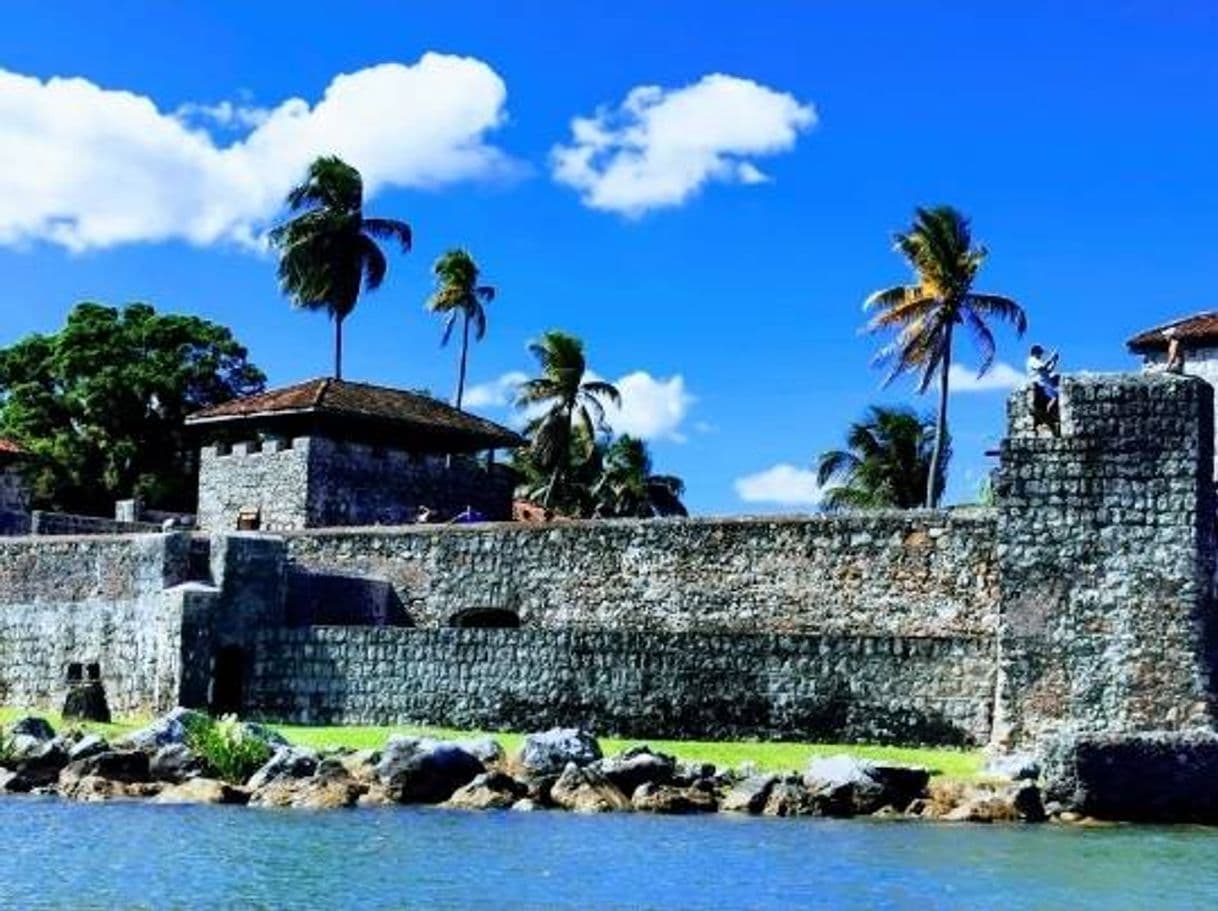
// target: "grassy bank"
[[768, 756]]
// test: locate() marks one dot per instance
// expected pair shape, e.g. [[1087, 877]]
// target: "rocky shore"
[[562, 769]]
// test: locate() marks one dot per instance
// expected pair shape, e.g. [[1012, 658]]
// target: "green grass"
[[768, 756]]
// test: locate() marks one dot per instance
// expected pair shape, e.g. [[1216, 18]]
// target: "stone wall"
[[271, 477], [92, 600], [875, 688], [894, 573], [14, 492], [315, 482], [1106, 561]]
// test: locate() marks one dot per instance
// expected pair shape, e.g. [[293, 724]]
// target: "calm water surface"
[[59, 855]]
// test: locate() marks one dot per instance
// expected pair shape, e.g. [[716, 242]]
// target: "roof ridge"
[[322, 389]]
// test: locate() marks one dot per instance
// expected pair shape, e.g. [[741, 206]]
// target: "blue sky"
[[712, 240]]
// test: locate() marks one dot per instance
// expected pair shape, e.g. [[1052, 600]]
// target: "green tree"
[[886, 462], [925, 314], [459, 294], [627, 488], [329, 250], [100, 403], [569, 399], [572, 495]]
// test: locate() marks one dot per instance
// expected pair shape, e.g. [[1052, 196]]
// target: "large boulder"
[[32, 727], [175, 762], [204, 791], [636, 766], [586, 790], [650, 797], [487, 750], [169, 728], [94, 789], [286, 762], [549, 752], [127, 766], [36, 763], [789, 797], [845, 785], [331, 789], [89, 745], [421, 770], [488, 791], [750, 794]]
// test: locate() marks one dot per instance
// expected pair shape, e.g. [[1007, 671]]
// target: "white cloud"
[[999, 377], [659, 147], [783, 484], [653, 408], [225, 114], [497, 393], [86, 166]]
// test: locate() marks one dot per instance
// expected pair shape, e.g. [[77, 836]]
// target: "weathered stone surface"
[[586, 790], [205, 791], [38, 764], [94, 789], [487, 750], [286, 762], [845, 785], [127, 766], [174, 762], [789, 797], [32, 727], [749, 795], [636, 766], [650, 797], [420, 770], [1153, 777], [89, 745], [549, 752], [167, 729], [488, 791], [332, 791], [1015, 766]]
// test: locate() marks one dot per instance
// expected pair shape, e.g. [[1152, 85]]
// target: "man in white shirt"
[[1041, 370]]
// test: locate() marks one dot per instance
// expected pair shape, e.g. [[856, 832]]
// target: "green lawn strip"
[[769, 756]]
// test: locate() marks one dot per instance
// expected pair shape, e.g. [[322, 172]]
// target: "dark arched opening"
[[486, 618], [227, 681]]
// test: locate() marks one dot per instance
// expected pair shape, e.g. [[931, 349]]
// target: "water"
[[60, 855]]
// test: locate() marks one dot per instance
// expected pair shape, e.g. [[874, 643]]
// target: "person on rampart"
[[1043, 376]]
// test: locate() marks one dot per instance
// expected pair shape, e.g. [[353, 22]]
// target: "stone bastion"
[[1079, 605]]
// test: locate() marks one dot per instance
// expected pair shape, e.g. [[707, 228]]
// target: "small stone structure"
[[14, 490], [333, 453], [1081, 606]]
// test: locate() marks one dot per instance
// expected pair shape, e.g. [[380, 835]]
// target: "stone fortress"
[[1080, 605]]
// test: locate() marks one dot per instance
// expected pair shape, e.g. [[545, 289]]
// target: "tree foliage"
[[885, 463], [925, 314], [329, 250], [459, 294], [100, 403], [628, 488]]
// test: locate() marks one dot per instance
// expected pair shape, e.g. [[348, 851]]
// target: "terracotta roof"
[[362, 401], [9, 448], [1198, 328]]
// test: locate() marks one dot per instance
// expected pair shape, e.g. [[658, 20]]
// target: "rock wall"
[[1106, 562], [316, 482], [91, 601], [894, 573], [14, 492], [875, 688]]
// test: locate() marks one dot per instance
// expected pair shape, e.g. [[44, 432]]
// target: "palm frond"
[[389, 229]]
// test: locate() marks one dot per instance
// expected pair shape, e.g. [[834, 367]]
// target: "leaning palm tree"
[[628, 489], [568, 400], [328, 250], [886, 462], [940, 249], [459, 294]]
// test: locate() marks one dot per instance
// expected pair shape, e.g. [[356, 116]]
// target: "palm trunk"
[[545, 502], [338, 347], [461, 367], [936, 454]]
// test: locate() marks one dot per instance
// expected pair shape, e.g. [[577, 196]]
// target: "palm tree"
[[569, 400], [628, 489], [328, 250], [886, 462], [940, 249], [458, 293]]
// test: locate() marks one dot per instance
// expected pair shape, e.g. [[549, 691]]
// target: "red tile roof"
[[9, 448], [362, 402], [1200, 328]]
